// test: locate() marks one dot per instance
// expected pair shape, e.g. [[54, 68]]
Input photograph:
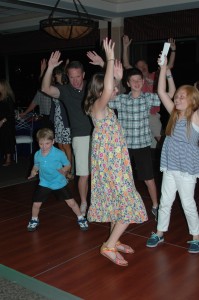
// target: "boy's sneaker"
[[154, 211], [154, 240], [194, 246], [32, 225], [83, 224]]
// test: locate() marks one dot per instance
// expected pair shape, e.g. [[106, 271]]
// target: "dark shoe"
[[32, 225], [154, 211], [83, 224], [154, 240], [194, 246]]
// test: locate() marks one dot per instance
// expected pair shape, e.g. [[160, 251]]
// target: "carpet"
[[17, 286]]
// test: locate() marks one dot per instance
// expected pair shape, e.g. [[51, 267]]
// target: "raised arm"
[[43, 67], [125, 56], [118, 72], [101, 103], [173, 53], [171, 83], [95, 59], [46, 82], [164, 96]]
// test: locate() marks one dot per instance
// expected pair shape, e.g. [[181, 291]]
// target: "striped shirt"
[[133, 115], [180, 151]]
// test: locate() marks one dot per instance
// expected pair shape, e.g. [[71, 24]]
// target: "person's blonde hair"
[[6, 90], [45, 133], [192, 95]]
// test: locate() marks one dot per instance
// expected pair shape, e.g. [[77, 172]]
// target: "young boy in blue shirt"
[[52, 165]]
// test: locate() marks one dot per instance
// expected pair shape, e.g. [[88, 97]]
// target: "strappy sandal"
[[124, 248], [105, 252]]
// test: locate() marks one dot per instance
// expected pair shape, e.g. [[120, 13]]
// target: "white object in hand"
[[164, 53]]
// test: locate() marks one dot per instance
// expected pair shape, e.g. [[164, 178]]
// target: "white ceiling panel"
[[19, 16]]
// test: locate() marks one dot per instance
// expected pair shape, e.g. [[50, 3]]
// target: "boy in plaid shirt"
[[133, 114]]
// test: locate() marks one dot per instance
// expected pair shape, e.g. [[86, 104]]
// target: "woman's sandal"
[[124, 248], [105, 252]]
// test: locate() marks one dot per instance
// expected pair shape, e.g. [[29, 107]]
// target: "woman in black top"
[[7, 122]]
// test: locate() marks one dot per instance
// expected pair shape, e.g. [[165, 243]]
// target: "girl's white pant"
[[172, 182]]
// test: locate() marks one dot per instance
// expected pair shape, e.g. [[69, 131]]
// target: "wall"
[[160, 26]]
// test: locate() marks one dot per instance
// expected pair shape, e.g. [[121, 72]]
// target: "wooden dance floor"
[[61, 255]]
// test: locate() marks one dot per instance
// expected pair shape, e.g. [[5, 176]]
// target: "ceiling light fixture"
[[70, 27]]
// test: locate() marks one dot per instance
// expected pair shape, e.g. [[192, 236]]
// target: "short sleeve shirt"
[[133, 115], [73, 99], [48, 167]]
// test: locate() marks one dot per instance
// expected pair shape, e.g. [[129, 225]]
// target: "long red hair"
[[192, 95]]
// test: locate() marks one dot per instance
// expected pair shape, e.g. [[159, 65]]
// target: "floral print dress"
[[62, 133], [114, 197]]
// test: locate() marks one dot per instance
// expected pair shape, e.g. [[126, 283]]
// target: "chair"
[[24, 132]]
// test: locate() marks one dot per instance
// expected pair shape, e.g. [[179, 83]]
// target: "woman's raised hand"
[[43, 65], [95, 58], [118, 70], [109, 46], [126, 41]]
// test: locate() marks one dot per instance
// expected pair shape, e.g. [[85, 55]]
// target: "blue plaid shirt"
[[133, 115]]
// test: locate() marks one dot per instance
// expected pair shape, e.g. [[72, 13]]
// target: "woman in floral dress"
[[114, 197]]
